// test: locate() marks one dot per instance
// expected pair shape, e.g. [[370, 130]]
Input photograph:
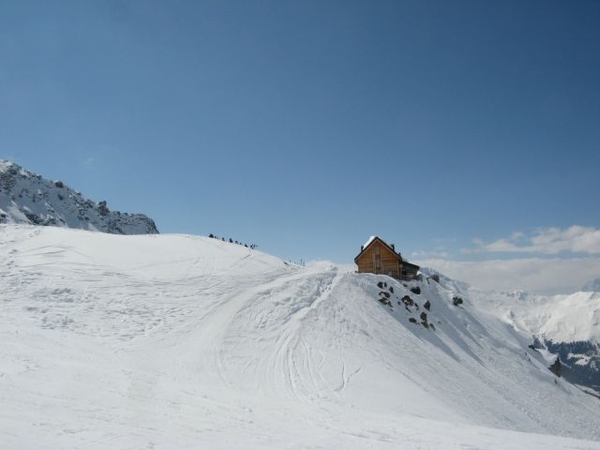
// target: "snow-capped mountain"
[[560, 326], [172, 341], [28, 198]]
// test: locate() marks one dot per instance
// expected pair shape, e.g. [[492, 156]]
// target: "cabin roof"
[[370, 242], [371, 239], [406, 263]]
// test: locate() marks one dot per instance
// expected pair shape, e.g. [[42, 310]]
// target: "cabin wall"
[[380, 260]]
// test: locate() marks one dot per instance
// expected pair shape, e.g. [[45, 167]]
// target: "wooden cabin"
[[376, 256], [409, 270]]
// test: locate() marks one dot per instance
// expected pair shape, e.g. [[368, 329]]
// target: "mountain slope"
[[168, 341], [28, 198], [573, 317], [559, 326]]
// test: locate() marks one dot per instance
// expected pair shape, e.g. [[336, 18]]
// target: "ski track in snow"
[[186, 342]]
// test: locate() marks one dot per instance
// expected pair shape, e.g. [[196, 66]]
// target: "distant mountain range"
[[560, 326], [27, 198]]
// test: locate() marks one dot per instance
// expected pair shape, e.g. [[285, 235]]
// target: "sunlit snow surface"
[[182, 342], [562, 318]]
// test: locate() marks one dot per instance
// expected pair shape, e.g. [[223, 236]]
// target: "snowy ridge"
[[559, 326], [27, 198], [563, 318], [171, 341]]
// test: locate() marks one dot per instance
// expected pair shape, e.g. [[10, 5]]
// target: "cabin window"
[[377, 249]]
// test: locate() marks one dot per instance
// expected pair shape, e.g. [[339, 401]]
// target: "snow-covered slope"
[[170, 341], [30, 199], [564, 326]]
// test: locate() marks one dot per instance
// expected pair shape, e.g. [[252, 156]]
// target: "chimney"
[[362, 247], [393, 247]]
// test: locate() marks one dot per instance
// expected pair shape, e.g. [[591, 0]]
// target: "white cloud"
[[441, 249], [430, 254], [549, 241], [548, 261], [548, 276]]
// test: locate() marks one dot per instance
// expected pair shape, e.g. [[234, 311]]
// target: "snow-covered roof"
[[371, 239]]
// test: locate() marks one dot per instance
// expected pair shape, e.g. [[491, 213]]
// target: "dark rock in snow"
[[556, 368]]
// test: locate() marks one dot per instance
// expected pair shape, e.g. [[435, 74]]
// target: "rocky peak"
[[28, 198]]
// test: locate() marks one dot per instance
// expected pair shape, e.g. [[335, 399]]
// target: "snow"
[[562, 318], [175, 341], [371, 239]]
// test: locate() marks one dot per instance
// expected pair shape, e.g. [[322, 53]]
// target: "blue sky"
[[447, 127]]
